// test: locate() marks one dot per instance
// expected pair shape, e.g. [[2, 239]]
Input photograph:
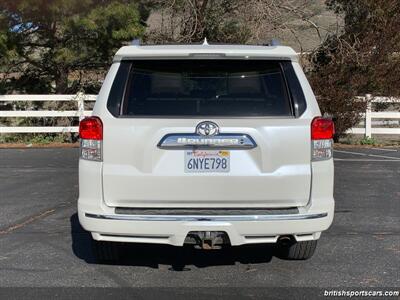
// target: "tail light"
[[91, 136], [322, 131]]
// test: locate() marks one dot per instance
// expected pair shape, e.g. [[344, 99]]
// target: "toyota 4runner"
[[209, 145]]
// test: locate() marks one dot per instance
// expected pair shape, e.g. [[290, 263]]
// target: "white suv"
[[209, 145]]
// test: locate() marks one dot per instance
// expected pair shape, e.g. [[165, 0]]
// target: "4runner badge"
[[206, 136]]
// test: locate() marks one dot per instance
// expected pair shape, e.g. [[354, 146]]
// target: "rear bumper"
[[105, 225], [208, 218]]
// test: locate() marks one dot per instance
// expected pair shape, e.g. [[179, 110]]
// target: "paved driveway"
[[42, 243]]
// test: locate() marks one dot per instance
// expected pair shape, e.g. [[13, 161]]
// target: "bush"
[[361, 59], [39, 138], [368, 141]]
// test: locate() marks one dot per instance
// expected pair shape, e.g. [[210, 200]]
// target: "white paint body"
[[135, 173]]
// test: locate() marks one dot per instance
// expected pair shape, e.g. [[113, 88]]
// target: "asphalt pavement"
[[43, 245]]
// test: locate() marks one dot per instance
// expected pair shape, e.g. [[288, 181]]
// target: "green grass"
[[368, 141], [376, 140]]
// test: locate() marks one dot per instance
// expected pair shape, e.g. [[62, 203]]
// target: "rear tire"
[[108, 252], [297, 250]]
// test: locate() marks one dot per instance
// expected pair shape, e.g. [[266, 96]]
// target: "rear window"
[[200, 88]]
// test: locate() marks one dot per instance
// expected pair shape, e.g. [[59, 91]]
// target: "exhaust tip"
[[286, 239]]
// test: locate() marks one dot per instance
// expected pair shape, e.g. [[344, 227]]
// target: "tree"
[[362, 58], [3, 38], [231, 21], [187, 21], [59, 39]]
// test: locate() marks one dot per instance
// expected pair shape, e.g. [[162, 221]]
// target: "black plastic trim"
[[117, 92], [295, 89]]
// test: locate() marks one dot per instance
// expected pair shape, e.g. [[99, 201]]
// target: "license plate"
[[200, 161]]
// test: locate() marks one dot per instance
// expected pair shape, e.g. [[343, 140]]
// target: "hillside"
[[301, 24]]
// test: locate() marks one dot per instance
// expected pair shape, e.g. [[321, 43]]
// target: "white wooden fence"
[[80, 113], [369, 115]]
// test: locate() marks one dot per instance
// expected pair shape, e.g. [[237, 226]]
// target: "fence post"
[[368, 120], [81, 105]]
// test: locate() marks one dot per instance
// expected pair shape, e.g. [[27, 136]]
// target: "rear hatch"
[[206, 133]]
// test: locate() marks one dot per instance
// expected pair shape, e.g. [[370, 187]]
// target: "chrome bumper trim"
[[189, 218]]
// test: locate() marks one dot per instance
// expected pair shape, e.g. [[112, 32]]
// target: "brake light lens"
[[91, 138], [322, 131], [91, 128]]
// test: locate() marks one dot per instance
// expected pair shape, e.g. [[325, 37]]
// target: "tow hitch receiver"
[[207, 240]]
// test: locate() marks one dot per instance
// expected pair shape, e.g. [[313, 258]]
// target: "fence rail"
[[80, 113], [369, 115]]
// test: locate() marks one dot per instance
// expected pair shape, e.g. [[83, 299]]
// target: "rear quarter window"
[[200, 88]]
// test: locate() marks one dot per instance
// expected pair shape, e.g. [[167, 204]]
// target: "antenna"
[[135, 42], [275, 42], [205, 42]]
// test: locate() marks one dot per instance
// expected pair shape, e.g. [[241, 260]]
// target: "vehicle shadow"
[[178, 258]]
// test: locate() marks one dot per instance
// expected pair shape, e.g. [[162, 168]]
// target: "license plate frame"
[[207, 161]]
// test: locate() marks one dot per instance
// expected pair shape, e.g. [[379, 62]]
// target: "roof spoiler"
[[273, 42]]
